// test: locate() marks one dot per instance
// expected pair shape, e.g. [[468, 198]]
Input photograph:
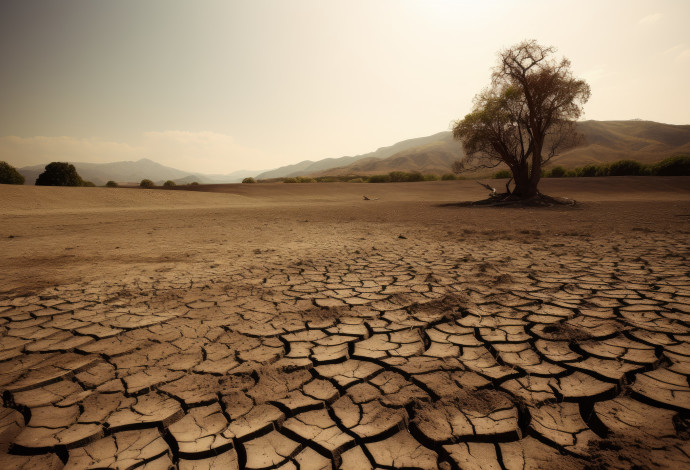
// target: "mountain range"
[[603, 141], [135, 171]]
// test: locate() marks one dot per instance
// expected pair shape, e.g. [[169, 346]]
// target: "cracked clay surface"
[[315, 346]]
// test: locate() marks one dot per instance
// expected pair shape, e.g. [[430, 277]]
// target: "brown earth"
[[300, 326]]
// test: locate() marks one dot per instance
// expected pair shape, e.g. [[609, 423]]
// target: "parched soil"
[[303, 327]]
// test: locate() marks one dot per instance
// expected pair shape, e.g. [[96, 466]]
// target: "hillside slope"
[[309, 167], [604, 141], [135, 171]]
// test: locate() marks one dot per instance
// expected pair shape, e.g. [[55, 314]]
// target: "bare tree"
[[524, 118]]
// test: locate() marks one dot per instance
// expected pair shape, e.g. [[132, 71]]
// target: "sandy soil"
[[300, 326]]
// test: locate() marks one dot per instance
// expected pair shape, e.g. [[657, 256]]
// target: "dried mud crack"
[[432, 355]]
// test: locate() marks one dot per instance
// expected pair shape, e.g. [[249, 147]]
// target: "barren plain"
[[299, 326]]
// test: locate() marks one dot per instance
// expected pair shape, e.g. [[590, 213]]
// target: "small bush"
[[169, 184], [88, 184], [380, 179], [625, 168], [676, 165], [196, 183], [602, 170], [248, 180], [502, 174], [9, 174], [397, 176], [290, 180], [449, 177], [414, 176], [305, 179], [111, 184], [430, 178], [587, 171], [145, 183], [557, 172], [59, 174]]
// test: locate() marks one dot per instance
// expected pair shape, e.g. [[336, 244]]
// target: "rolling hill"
[[309, 167], [604, 141], [135, 171]]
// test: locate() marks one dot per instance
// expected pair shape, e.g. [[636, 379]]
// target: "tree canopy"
[[524, 118], [9, 174], [59, 174]]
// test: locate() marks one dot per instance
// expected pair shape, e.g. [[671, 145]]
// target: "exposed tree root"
[[511, 200]]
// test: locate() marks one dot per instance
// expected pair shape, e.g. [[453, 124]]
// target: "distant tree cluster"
[[676, 165], [9, 174], [61, 174]]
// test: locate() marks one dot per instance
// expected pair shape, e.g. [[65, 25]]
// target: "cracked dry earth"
[[493, 353]]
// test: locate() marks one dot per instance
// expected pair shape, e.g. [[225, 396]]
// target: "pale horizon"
[[217, 87]]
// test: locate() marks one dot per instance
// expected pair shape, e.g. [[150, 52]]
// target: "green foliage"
[[448, 177], [431, 178], [196, 183], [305, 179], [625, 168], [676, 165], [557, 172], [397, 176], [9, 174], [587, 171], [502, 174], [290, 180], [111, 184], [248, 180], [404, 177], [59, 174], [380, 179], [146, 183], [88, 184], [169, 184]]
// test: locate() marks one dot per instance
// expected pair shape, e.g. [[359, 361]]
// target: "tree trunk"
[[522, 183]]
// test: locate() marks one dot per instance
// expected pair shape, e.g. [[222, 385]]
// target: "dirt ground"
[[300, 326]]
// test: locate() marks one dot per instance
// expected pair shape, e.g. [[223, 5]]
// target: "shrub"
[[305, 179], [356, 180], [430, 178], [248, 180], [602, 170], [625, 168], [290, 180], [196, 183], [169, 184], [380, 179], [9, 174], [88, 184], [587, 171], [397, 176], [502, 174], [676, 165], [414, 176], [146, 184], [59, 174], [111, 184], [557, 172], [448, 177]]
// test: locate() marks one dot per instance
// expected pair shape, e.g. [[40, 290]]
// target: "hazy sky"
[[217, 86]]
